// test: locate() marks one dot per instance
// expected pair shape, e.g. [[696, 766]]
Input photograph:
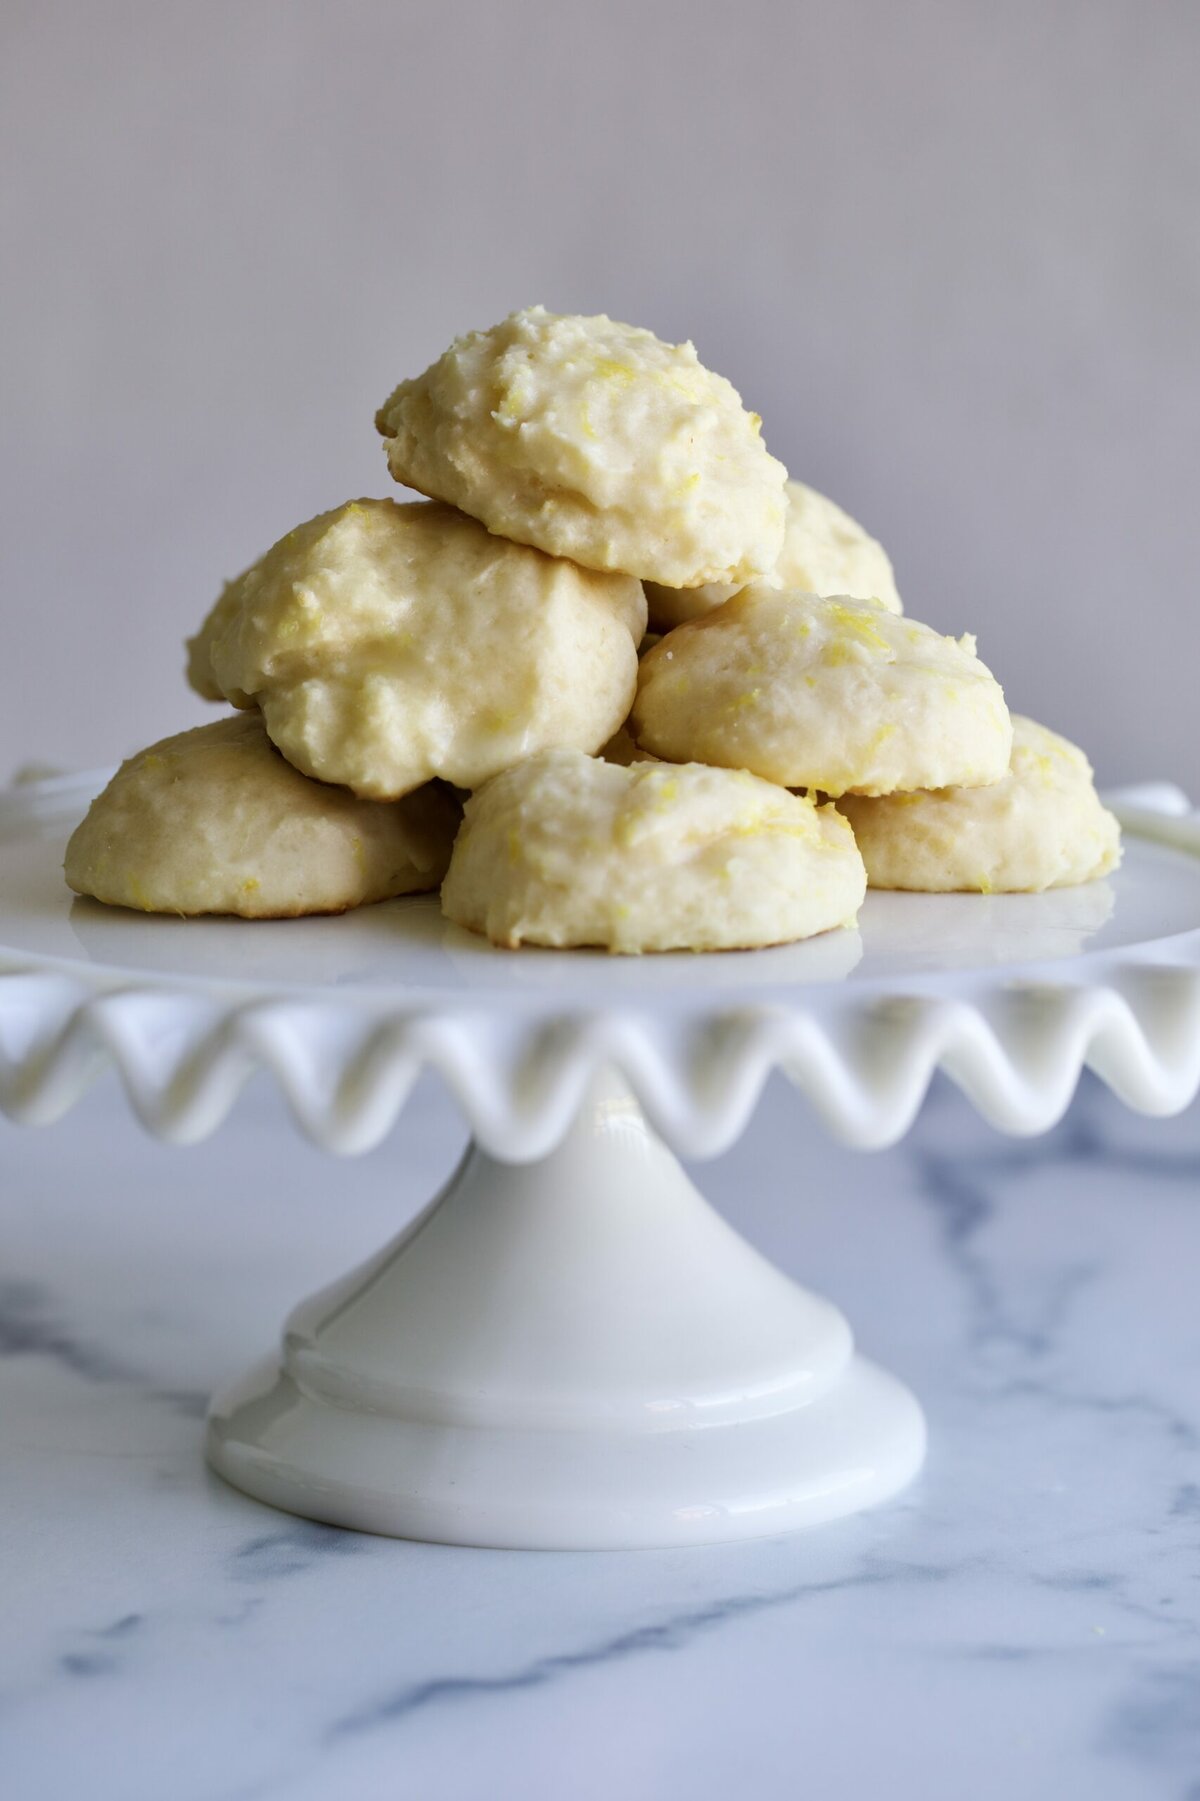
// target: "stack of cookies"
[[449, 693]]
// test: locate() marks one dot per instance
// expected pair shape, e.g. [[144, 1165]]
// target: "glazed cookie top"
[[824, 551], [216, 821], [387, 644], [595, 441], [567, 850], [838, 695], [1040, 826]]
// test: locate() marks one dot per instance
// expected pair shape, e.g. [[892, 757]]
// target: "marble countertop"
[[1025, 1622]]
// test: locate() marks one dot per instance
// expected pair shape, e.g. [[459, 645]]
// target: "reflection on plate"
[[342, 950], [953, 931], [408, 942], [404, 950], [827, 958]]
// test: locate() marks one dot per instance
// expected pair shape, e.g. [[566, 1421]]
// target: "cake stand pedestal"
[[568, 1348], [573, 1352]]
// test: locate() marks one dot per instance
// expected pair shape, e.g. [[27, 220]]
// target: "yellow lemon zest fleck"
[[857, 626], [690, 389], [515, 399], [686, 486], [607, 369]]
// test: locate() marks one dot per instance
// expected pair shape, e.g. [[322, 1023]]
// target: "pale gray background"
[[951, 252]]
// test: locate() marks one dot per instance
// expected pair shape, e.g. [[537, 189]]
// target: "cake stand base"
[[571, 1354]]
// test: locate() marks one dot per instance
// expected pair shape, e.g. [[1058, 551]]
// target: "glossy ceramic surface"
[[403, 951], [577, 1354], [1011, 995], [573, 1354]]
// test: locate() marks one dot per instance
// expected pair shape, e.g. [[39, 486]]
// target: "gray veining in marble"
[[1024, 1623]]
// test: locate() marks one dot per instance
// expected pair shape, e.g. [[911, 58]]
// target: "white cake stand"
[[568, 1348]]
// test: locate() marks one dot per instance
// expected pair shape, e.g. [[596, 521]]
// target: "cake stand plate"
[[568, 1347]]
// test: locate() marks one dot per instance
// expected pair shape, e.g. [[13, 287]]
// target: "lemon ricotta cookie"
[[567, 851], [1040, 826], [838, 695], [387, 644], [216, 821], [595, 441], [824, 552]]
